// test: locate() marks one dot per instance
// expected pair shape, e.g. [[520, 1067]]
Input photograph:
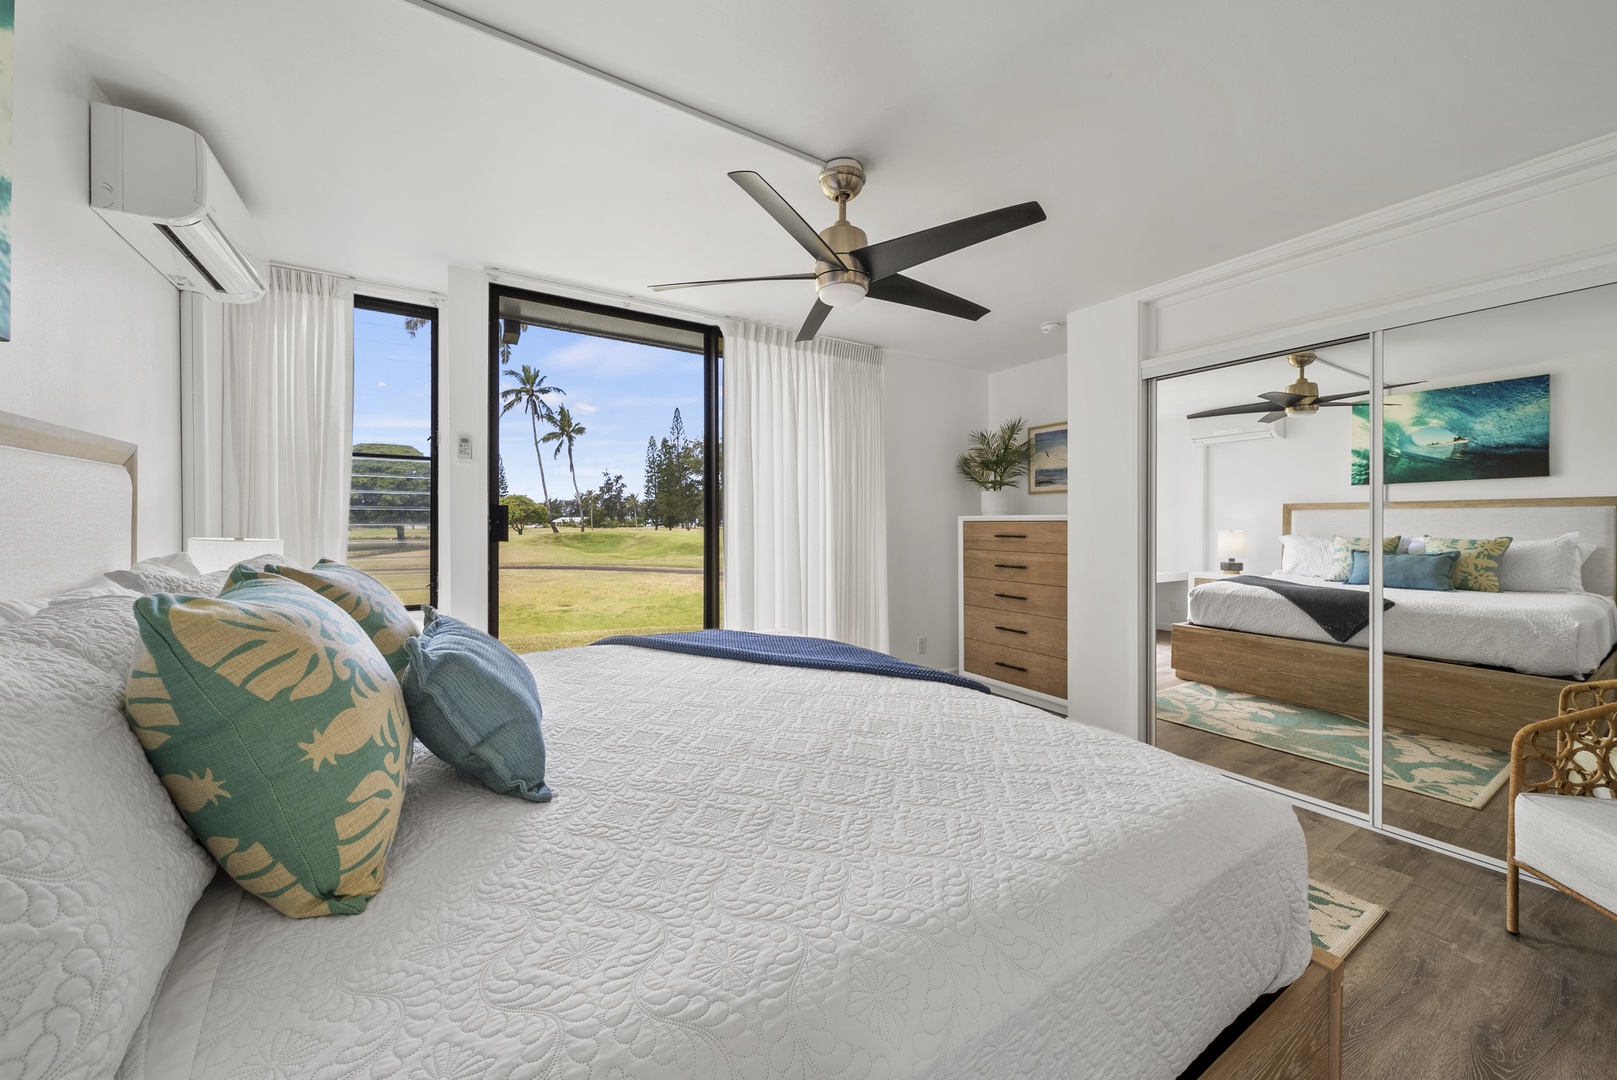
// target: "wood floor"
[[1439, 989], [1475, 830]]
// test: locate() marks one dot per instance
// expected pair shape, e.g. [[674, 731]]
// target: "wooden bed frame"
[[1479, 705], [1294, 1034]]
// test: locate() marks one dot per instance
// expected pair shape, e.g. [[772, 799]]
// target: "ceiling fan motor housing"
[[840, 286], [1303, 387]]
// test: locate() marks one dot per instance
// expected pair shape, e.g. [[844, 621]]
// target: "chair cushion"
[[473, 702], [1573, 839]]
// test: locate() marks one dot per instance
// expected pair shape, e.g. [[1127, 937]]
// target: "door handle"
[[1007, 596], [1011, 630], [1010, 536], [499, 523], [1013, 667], [1008, 566]]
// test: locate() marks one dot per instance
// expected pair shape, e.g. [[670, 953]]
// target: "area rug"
[[1337, 921], [1439, 768]]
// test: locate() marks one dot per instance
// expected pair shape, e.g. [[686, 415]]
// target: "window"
[[393, 494]]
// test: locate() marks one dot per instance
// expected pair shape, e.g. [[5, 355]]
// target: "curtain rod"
[[607, 77], [434, 297], [585, 292]]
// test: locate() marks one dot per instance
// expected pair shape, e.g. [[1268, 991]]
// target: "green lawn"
[[604, 547], [557, 609]]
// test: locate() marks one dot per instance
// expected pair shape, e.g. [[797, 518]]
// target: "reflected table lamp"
[[211, 553], [1231, 548]]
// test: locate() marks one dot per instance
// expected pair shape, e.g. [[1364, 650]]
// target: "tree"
[[524, 511], [529, 395], [565, 432], [390, 493], [649, 496], [676, 464], [505, 488], [611, 497]]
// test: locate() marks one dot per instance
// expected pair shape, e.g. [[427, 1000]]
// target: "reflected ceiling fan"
[[848, 267], [1300, 397]]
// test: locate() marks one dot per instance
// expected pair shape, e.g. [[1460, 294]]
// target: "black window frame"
[[431, 315], [712, 503]]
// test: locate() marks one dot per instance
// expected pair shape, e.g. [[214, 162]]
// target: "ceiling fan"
[[1300, 397], [848, 267]]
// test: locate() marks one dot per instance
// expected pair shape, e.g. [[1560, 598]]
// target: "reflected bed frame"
[[1483, 706]]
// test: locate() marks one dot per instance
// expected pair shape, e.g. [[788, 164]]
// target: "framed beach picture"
[[1485, 431], [1047, 459]]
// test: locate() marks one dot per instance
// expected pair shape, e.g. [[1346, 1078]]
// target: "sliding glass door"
[[604, 489]]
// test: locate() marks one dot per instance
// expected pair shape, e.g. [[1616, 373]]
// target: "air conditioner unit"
[[1243, 427], [161, 188]]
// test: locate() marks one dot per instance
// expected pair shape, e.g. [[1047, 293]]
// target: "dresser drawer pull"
[[1013, 667], [1011, 630], [1008, 596], [1008, 566], [1010, 536]]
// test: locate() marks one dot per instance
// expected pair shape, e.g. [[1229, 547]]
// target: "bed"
[[1466, 665], [747, 871]]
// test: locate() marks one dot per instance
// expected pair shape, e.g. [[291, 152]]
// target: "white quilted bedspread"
[[768, 872]]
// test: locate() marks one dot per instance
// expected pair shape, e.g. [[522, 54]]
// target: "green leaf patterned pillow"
[[367, 601], [281, 735], [1343, 547], [1477, 568]]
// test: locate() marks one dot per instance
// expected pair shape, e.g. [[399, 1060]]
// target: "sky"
[[621, 392]]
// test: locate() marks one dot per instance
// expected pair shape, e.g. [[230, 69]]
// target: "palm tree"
[[564, 433], [529, 395]]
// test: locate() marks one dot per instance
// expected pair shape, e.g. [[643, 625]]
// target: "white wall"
[[929, 409], [95, 329], [1036, 392], [463, 405], [1533, 231]]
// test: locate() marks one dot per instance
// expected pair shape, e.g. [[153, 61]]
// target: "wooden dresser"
[[1013, 588]]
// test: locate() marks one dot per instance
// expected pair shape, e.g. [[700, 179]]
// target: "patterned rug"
[[1439, 768], [1337, 920]]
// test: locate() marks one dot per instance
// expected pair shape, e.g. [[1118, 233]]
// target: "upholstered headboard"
[[1593, 518], [67, 507]]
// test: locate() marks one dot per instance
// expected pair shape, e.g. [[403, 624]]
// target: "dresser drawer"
[[1050, 536], [1017, 630], [1034, 671], [1039, 567], [1021, 597]]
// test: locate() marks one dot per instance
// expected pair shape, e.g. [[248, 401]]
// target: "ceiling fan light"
[[841, 293]]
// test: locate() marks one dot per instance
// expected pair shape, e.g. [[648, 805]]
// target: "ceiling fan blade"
[[1269, 418], [898, 289], [892, 256], [816, 317], [1322, 403], [1233, 410], [781, 210], [1283, 399], [730, 281], [1366, 393]]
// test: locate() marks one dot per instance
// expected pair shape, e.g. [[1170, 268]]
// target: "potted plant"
[[997, 458]]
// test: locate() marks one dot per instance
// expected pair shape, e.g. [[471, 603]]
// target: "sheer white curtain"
[[805, 514], [287, 430]]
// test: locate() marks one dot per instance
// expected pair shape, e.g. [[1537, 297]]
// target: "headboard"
[[67, 507], [1594, 518]]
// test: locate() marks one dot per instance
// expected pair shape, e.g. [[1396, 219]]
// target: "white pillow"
[[1542, 566], [97, 869], [13, 610], [148, 580], [1306, 556], [177, 563]]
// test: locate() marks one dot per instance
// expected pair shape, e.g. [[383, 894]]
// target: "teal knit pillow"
[[281, 735]]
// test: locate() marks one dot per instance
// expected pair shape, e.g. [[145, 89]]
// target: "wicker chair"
[[1568, 842]]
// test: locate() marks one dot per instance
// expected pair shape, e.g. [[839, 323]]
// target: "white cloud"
[[586, 408], [381, 385]]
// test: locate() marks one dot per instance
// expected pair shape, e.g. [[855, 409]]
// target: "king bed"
[[746, 871], [1466, 665]]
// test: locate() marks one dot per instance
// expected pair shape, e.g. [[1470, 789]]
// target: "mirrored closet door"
[[1501, 469], [1262, 667]]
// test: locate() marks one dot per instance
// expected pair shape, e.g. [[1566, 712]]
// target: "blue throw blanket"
[[1341, 613], [789, 651]]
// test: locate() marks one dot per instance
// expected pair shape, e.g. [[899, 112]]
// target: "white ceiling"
[[374, 138]]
